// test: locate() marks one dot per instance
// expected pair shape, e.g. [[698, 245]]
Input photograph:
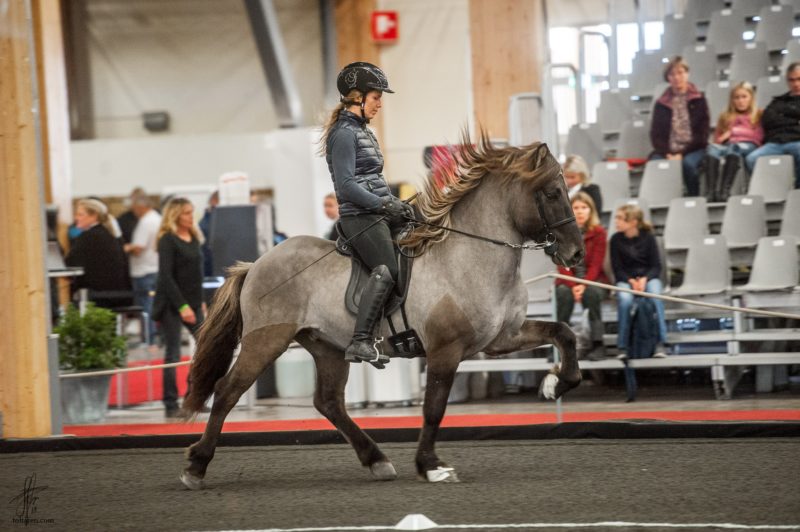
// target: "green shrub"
[[89, 341]]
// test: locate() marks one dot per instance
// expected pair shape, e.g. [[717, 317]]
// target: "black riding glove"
[[393, 208]]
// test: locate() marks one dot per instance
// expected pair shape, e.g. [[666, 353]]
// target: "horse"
[[466, 296]]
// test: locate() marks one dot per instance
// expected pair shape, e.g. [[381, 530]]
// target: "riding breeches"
[[374, 241]]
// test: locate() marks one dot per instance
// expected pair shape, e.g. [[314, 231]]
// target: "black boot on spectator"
[[598, 352], [732, 164], [711, 174]]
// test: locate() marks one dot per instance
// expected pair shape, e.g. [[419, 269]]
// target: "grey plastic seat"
[[744, 222], [775, 265], [701, 10], [775, 25], [750, 62], [790, 222], [750, 8], [773, 177], [708, 268], [614, 181], [586, 140], [615, 107], [717, 94], [702, 61], [767, 88], [792, 54], [687, 219], [661, 183], [726, 29], [634, 139], [646, 72], [533, 264], [678, 30]]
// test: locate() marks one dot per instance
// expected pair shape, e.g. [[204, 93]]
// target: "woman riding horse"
[[367, 209]]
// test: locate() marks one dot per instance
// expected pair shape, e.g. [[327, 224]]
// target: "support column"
[[509, 42], [24, 379]]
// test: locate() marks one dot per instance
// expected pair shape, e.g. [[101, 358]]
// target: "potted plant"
[[87, 341]]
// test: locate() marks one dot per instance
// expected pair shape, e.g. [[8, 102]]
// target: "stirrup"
[[379, 360]]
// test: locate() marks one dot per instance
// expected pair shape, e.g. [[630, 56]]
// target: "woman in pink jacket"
[[738, 132]]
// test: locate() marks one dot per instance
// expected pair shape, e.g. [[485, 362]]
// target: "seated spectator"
[[100, 254], [738, 133], [577, 177], [680, 126], [781, 123], [591, 268], [636, 264]]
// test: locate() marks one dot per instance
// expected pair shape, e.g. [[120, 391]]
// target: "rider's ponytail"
[[353, 98]]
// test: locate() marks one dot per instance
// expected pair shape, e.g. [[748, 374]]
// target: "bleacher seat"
[[767, 88], [725, 30], [717, 94], [792, 3], [634, 139], [586, 140], [678, 30], [792, 54], [687, 219], [646, 72], [615, 107], [661, 183], [744, 222], [750, 62], [775, 26], [702, 61], [701, 10], [750, 8], [790, 221], [614, 181], [773, 178], [775, 265], [707, 268]]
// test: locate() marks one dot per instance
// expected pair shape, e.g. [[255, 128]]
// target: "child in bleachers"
[[738, 133]]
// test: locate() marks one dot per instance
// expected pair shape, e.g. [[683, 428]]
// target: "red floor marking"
[[401, 422]]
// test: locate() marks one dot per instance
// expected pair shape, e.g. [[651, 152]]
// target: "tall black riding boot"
[[732, 164], [364, 346], [711, 181]]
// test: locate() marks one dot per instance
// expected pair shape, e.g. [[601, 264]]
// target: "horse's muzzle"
[[576, 258]]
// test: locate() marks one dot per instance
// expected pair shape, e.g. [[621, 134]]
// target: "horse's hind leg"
[[332, 371], [259, 349]]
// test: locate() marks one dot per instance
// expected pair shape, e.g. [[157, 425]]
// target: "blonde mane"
[[462, 173]]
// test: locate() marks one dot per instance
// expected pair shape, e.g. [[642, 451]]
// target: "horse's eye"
[[551, 194]]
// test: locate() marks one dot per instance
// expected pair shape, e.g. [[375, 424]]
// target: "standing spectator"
[[179, 293], [577, 177], [101, 256], [331, 207], [205, 227], [738, 133], [680, 125], [637, 265], [127, 220], [781, 122], [591, 268], [143, 256]]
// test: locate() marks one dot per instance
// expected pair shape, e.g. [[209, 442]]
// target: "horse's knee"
[[562, 334]]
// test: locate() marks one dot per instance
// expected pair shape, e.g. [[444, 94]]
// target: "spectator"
[[143, 255], [680, 125], [591, 268], [738, 133], [179, 292], [636, 264], [781, 122], [331, 207], [577, 177], [100, 254], [127, 220], [205, 227]]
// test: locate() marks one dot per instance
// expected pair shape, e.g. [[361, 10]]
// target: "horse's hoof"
[[192, 482], [383, 471], [548, 387], [442, 474]]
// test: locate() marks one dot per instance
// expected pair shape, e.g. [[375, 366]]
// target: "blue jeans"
[[624, 302], [773, 148], [143, 289], [739, 148], [690, 163]]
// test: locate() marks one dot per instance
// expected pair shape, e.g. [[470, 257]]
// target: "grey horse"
[[466, 296]]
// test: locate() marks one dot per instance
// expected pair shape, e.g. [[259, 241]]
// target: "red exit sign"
[[384, 26]]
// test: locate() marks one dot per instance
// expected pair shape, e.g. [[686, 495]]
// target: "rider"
[[367, 208]]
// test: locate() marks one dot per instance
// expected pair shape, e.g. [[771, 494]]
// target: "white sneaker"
[[661, 351]]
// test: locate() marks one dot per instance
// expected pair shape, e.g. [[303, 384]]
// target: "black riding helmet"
[[363, 77]]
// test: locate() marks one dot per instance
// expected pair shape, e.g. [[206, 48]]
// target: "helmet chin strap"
[[363, 101]]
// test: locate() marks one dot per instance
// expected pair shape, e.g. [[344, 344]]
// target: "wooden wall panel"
[[508, 46], [24, 378]]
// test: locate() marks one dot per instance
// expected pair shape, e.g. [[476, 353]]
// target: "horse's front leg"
[[442, 365], [534, 333]]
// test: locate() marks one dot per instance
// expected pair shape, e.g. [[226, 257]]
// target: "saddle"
[[406, 343]]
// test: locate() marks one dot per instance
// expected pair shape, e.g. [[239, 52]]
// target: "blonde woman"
[[179, 292], [577, 175], [100, 254]]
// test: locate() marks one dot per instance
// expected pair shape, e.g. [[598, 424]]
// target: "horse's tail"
[[217, 338]]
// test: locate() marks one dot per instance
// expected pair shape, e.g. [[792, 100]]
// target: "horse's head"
[[542, 211]]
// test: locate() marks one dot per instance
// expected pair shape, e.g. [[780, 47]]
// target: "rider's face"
[[372, 104]]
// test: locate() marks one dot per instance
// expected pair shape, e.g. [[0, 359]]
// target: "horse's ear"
[[539, 154]]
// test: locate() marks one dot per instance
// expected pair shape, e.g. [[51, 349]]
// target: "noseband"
[[550, 242]]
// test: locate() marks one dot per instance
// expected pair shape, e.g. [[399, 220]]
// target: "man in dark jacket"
[[781, 123], [680, 126]]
